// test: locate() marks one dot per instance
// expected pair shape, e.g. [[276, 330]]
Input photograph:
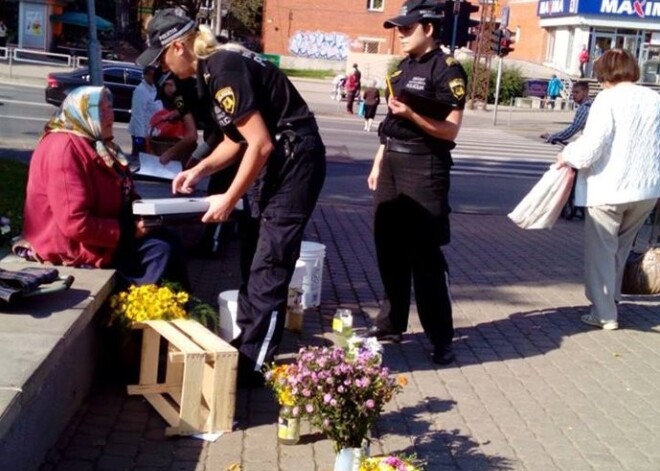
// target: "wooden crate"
[[199, 392]]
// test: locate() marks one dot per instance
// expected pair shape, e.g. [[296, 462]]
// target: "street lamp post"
[[93, 47]]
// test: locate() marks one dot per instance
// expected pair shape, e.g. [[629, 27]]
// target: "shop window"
[[371, 47], [375, 5]]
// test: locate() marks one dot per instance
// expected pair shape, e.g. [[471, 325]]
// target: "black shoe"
[[249, 380], [384, 334], [443, 355]]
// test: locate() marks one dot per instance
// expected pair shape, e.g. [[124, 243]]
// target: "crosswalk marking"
[[495, 153]]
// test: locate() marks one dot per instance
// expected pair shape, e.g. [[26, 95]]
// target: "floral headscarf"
[[80, 115]]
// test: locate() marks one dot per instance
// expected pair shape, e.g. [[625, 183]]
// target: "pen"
[[389, 85]]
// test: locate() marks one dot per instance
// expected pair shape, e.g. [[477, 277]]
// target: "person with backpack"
[[555, 88]]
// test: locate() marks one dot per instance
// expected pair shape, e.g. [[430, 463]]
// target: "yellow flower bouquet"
[[148, 302], [153, 302]]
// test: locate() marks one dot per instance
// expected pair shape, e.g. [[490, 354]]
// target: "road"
[[493, 169]]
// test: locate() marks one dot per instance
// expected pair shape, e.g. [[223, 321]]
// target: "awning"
[[78, 18]]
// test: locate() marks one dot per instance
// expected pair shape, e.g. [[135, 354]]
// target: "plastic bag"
[[361, 109], [541, 207]]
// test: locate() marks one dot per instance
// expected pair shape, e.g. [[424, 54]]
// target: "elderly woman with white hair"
[[371, 97]]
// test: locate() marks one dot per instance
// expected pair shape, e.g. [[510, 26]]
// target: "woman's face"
[[179, 59], [415, 39], [107, 118], [169, 88]]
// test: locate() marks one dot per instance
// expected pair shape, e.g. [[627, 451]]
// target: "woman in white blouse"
[[618, 158]]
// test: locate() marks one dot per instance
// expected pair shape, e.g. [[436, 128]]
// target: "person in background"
[[555, 88], [411, 178], [3, 34], [580, 95], [174, 124], [282, 167], [79, 194], [143, 106], [583, 59], [618, 158], [371, 97], [352, 87]]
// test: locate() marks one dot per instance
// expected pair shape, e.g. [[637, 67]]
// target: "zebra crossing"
[[497, 153]]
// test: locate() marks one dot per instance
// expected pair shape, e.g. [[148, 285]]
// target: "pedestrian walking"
[[618, 158], [352, 87], [583, 59], [282, 167], [410, 177], [555, 88], [143, 106], [371, 99]]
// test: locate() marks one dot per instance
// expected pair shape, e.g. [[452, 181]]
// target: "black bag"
[[641, 274], [30, 281]]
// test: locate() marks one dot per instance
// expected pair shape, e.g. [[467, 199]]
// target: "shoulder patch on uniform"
[[457, 87], [226, 99], [451, 61], [179, 103], [394, 74]]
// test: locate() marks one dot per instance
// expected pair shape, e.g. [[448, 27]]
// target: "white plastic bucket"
[[313, 254], [298, 275], [228, 302]]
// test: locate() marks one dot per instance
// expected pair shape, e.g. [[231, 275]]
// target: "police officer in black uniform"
[[410, 177], [282, 166]]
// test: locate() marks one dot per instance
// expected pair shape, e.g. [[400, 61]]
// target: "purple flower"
[[309, 408], [327, 398], [370, 403]]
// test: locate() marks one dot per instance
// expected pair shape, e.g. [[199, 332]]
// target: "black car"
[[121, 79]]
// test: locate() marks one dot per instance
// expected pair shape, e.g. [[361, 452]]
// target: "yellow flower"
[[148, 302]]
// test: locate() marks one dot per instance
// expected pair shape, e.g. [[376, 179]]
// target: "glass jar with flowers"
[[281, 379]]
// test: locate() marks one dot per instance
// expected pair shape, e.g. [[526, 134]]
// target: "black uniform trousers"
[[411, 223], [286, 199]]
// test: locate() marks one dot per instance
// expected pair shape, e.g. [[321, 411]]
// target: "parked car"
[[121, 79]]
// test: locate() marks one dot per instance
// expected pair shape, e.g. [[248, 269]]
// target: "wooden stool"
[[199, 392]]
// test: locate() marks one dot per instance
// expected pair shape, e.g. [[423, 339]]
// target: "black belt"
[[305, 127], [403, 147]]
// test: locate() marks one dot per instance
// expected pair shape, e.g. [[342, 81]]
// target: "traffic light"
[[496, 41], [505, 46], [464, 33], [456, 14]]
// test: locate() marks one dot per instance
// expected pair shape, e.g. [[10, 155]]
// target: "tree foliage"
[[244, 18]]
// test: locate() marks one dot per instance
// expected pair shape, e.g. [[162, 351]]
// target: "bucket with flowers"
[[343, 394]]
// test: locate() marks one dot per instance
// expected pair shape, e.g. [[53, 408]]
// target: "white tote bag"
[[541, 207]]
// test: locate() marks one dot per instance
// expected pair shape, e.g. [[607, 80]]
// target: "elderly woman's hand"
[[560, 161], [141, 229]]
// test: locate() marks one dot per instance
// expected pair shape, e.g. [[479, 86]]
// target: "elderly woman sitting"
[[78, 206]]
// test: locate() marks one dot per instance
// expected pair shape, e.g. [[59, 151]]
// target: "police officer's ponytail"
[[206, 43]]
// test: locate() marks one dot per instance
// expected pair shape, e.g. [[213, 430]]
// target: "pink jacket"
[[73, 202]]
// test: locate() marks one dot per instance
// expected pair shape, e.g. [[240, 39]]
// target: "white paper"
[[162, 206], [209, 437], [150, 166]]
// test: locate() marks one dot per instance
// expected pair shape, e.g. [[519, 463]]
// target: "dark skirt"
[[370, 111]]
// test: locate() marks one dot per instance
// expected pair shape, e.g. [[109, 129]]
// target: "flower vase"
[[348, 459], [288, 427]]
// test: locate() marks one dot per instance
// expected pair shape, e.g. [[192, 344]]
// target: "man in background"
[[143, 106], [352, 87], [580, 95]]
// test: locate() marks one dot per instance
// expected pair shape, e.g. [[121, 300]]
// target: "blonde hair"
[[206, 44]]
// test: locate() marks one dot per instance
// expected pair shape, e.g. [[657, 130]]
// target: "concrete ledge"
[[47, 359]]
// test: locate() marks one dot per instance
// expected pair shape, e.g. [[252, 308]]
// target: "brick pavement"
[[532, 388]]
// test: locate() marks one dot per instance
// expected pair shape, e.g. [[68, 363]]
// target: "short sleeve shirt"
[[433, 85], [241, 83]]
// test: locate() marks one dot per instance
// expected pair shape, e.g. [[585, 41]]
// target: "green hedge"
[[12, 195]]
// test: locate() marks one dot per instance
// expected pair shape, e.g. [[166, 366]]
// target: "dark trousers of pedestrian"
[[151, 259], [350, 99], [411, 223], [284, 202], [582, 66]]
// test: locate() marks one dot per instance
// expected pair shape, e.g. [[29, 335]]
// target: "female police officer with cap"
[[410, 176], [282, 166]]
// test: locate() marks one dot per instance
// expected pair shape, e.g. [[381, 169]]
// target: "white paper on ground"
[[209, 437], [162, 206], [150, 166]]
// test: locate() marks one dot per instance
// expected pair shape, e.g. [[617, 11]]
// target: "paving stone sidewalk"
[[532, 389]]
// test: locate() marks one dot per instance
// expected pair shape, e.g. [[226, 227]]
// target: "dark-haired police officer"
[[282, 166], [410, 177]]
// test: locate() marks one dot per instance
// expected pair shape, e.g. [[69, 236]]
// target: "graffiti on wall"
[[319, 45]]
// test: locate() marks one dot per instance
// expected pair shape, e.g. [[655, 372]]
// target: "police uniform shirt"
[[432, 85], [243, 82]]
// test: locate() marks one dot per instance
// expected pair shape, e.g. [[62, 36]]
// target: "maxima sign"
[[622, 8]]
